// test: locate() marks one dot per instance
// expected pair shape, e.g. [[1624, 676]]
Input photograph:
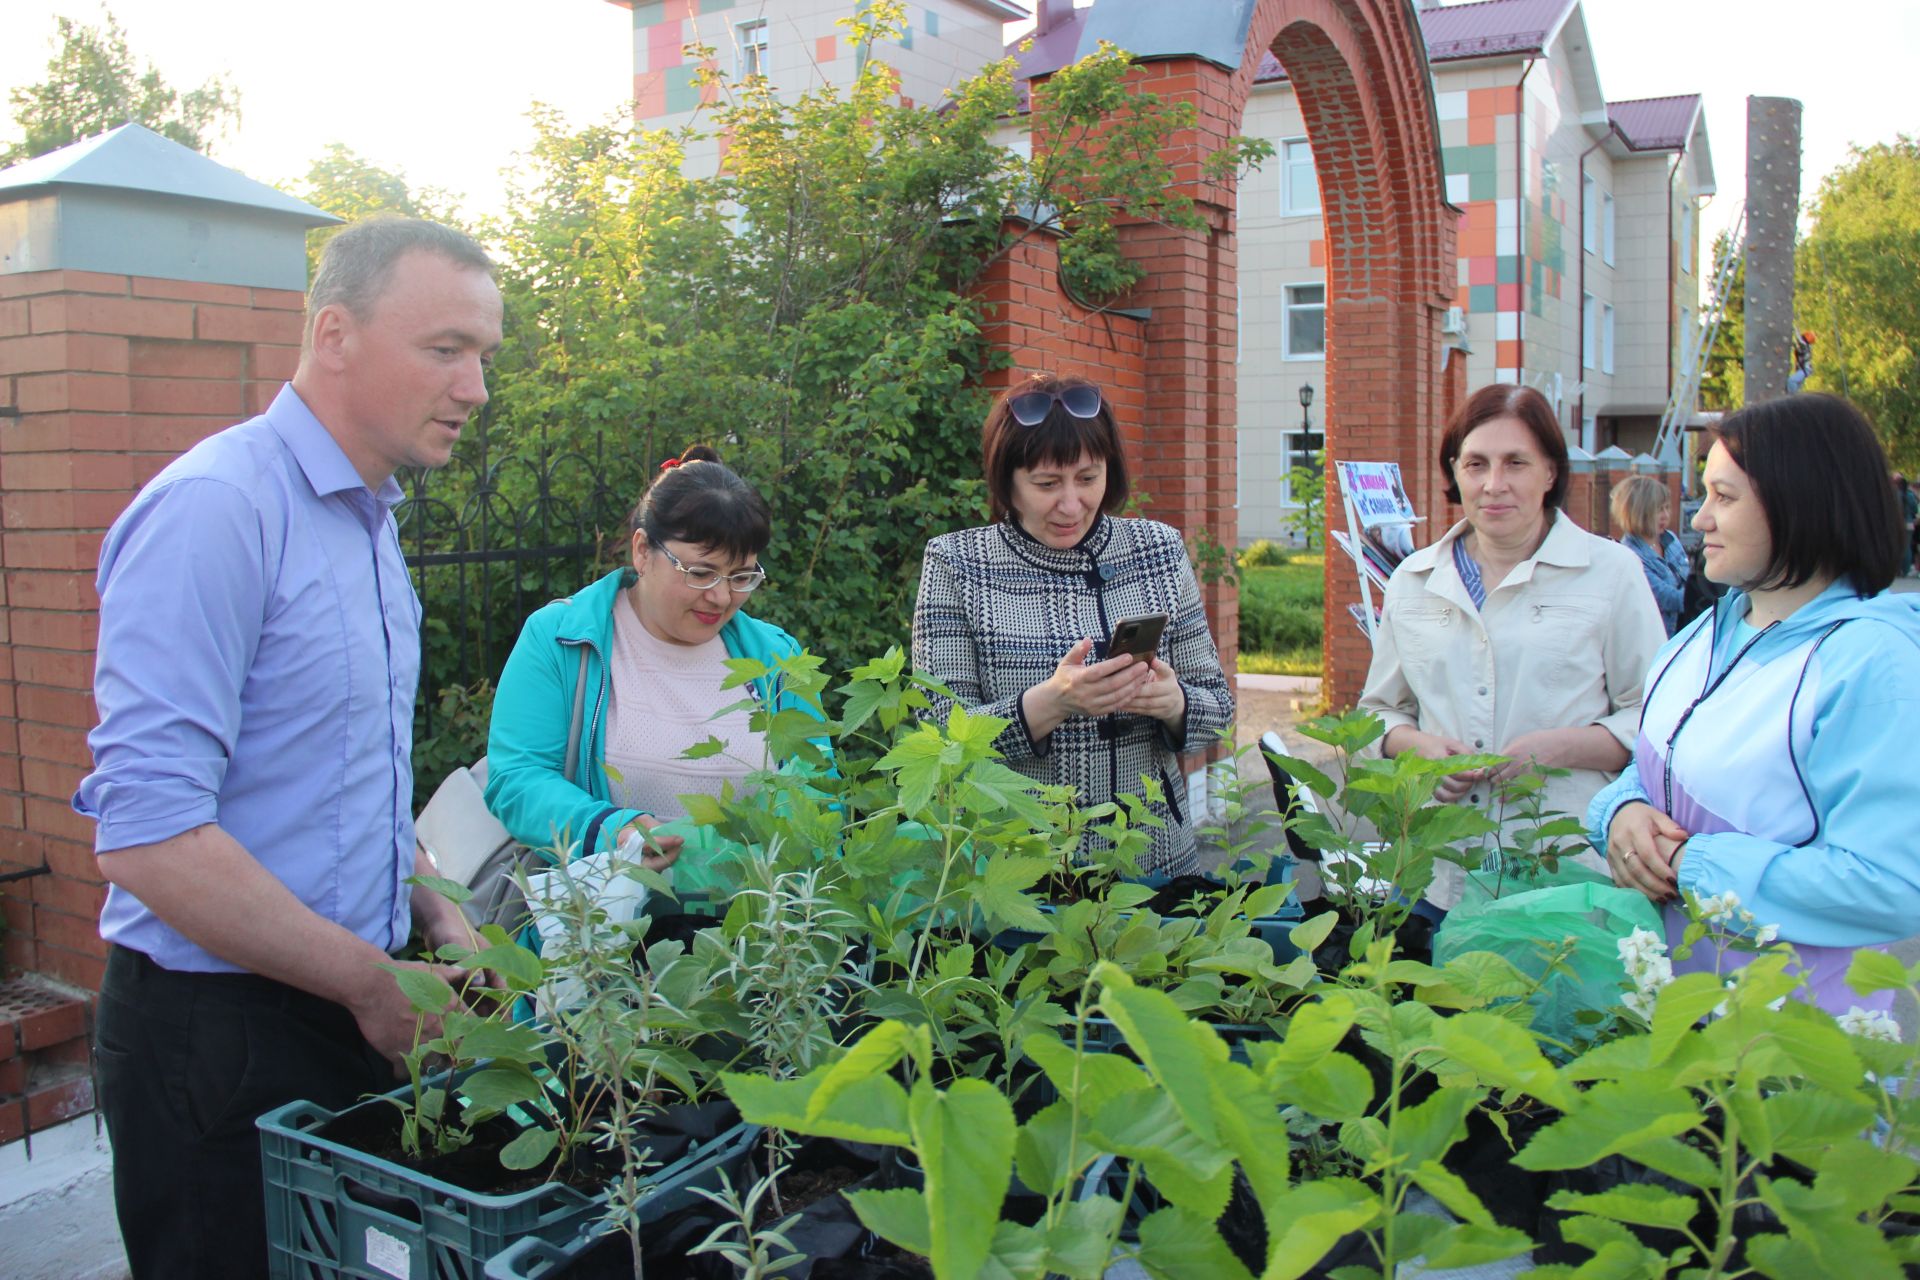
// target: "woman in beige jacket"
[[1518, 632]]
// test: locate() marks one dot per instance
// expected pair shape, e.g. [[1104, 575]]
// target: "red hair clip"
[[670, 464]]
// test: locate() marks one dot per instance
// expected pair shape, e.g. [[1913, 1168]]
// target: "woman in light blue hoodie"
[[1774, 759]]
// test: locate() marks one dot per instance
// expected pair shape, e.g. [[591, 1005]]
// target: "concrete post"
[[1773, 208]]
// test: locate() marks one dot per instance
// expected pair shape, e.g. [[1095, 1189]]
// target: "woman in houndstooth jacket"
[[1014, 616]]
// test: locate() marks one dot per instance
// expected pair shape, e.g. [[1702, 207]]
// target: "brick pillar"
[[1610, 466], [1580, 487], [111, 377]]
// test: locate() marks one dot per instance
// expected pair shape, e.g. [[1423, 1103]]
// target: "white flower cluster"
[[1725, 909], [1644, 955], [1870, 1026]]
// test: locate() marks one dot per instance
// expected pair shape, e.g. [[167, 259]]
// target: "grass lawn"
[[1282, 608]]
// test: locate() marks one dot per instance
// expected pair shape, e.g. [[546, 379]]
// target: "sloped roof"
[[1487, 29], [1655, 124], [135, 158]]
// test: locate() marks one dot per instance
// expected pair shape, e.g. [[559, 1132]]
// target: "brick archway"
[[1360, 73]]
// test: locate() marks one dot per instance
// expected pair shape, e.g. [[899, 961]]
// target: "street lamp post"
[[1306, 403]]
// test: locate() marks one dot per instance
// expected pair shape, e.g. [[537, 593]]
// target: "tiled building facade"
[[1578, 237]]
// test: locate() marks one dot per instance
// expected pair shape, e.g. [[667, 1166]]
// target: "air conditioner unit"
[[1456, 321]]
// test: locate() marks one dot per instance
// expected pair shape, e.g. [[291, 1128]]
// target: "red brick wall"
[[112, 377]]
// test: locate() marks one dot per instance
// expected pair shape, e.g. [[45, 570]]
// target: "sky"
[[440, 91]]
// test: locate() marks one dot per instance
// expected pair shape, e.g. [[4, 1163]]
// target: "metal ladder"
[[1685, 395]]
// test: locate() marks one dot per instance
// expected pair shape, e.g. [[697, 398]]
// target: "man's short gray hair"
[[357, 263]]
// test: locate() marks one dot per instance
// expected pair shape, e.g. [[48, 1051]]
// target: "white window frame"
[[1589, 213], [1287, 454], [1590, 330], [1606, 229], [1606, 337], [754, 44], [1292, 152], [1288, 306]]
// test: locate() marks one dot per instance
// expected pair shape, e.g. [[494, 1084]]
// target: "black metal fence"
[[496, 534]]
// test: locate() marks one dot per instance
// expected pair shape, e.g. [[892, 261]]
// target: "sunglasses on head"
[[1030, 408]]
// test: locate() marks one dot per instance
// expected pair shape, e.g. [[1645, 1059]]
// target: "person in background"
[[1642, 507], [1773, 758], [643, 651], [1013, 616], [253, 776], [1518, 632]]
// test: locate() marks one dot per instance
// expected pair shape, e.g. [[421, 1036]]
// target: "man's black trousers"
[[186, 1062]]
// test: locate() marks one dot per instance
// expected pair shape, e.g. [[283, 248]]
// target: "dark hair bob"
[[697, 498], [1060, 440], [1504, 400], [1821, 477]]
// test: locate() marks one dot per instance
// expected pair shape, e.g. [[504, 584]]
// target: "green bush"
[[1263, 553], [1282, 607]]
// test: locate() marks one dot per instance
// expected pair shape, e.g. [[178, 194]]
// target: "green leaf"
[[1302, 772], [1425, 1132], [1187, 1169], [702, 750], [873, 1109], [998, 891], [1873, 971], [1473, 1244], [1174, 1048], [1611, 1118], [1018, 1252], [1040, 1149], [1637, 1204], [518, 967], [531, 1149], [964, 1138], [1502, 1056], [1310, 934], [1097, 1076], [1126, 895], [424, 989], [1453, 1194], [898, 1217], [1310, 1219], [497, 1088], [510, 1042], [871, 1057], [1335, 1088], [1681, 1004], [1078, 1245], [452, 890], [1176, 1244], [1805, 1122]]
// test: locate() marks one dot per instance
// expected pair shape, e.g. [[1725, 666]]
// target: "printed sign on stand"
[[1380, 520]]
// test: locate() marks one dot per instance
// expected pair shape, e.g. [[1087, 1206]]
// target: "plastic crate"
[[335, 1212]]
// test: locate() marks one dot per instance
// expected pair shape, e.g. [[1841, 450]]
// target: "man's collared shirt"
[[259, 651]]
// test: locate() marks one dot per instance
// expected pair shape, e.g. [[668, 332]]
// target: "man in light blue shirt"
[[258, 657]]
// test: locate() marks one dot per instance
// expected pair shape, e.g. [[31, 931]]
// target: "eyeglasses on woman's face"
[[703, 578], [1030, 408]]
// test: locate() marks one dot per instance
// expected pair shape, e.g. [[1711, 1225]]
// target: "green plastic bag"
[[1579, 904]]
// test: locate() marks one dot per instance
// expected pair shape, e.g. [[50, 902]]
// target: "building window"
[[1606, 229], [1606, 339], [1589, 330], [1306, 322], [1298, 449], [1684, 353], [1589, 214], [1686, 236], [1299, 186], [753, 49]]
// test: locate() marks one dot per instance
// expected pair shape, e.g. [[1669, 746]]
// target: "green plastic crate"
[[338, 1213]]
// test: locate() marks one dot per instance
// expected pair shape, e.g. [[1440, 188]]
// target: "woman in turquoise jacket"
[[1774, 758], [637, 660]]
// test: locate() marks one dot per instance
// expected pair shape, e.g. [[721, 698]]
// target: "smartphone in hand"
[[1137, 636]]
